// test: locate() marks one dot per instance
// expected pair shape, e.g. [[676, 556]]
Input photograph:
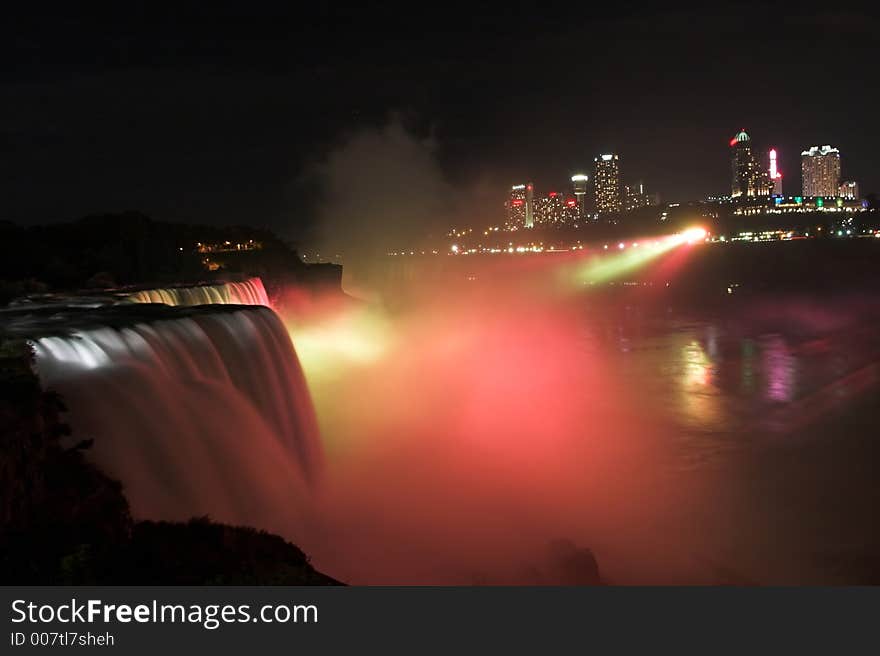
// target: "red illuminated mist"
[[470, 429]]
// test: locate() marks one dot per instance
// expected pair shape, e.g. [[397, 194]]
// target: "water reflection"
[[779, 366], [713, 378], [747, 357], [700, 398]]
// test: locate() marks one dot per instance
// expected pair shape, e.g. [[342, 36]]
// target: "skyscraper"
[[775, 175], [607, 184], [520, 207], [820, 171], [748, 178], [579, 182]]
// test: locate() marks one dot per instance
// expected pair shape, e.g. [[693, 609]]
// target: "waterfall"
[[197, 411], [249, 292]]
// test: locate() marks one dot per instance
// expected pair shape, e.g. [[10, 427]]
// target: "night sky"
[[220, 113]]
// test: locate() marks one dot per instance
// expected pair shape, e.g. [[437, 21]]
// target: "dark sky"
[[217, 112]]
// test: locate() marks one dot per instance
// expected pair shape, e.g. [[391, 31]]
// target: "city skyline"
[[224, 135], [756, 173]]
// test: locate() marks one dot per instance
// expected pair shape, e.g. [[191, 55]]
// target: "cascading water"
[[197, 411], [248, 292]]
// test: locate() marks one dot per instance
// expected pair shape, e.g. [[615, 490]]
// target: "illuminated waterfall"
[[249, 292], [197, 411]]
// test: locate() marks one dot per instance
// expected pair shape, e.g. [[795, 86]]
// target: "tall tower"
[[740, 156], [775, 175], [820, 171], [607, 184], [579, 182], [748, 177]]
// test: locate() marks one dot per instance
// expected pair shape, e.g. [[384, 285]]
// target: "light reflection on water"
[[777, 418], [780, 367], [718, 385]]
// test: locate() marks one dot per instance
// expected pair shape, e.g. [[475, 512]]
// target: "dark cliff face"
[[201, 552], [53, 504], [62, 521]]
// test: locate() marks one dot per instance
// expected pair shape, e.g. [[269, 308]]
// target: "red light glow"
[[421, 476]]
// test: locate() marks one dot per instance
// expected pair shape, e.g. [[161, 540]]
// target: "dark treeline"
[[131, 247], [97, 252]]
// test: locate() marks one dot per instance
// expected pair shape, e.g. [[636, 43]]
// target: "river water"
[[723, 442], [772, 406]]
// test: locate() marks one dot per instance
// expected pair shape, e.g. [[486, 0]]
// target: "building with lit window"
[[634, 197], [520, 207], [550, 209], [820, 171], [607, 185], [749, 178], [572, 211], [849, 189], [556, 209]]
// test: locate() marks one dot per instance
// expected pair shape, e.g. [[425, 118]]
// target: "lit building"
[[573, 210], [634, 197], [520, 207], [550, 209], [849, 189], [607, 185], [579, 182], [749, 178], [775, 175], [820, 171]]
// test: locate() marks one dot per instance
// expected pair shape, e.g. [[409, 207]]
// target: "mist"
[[380, 187], [475, 432]]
